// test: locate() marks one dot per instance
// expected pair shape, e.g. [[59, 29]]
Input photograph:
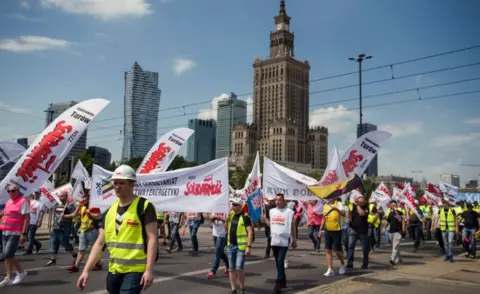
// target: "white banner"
[[448, 189], [357, 158], [9, 151], [80, 173], [48, 199], [334, 172], [77, 193], [279, 179], [164, 151], [202, 188], [50, 148]]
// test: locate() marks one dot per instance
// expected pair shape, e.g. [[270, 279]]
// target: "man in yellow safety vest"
[[129, 229]]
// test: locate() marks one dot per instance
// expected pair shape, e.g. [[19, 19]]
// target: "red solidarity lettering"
[[385, 190], [252, 187], [207, 188], [351, 163], [278, 219], [47, 194], [330, 178], [156, 157], [41, 154]]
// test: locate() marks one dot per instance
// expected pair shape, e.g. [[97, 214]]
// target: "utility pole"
[[360, 59]]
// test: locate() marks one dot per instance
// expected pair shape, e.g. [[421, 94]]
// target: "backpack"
[[141, 216]]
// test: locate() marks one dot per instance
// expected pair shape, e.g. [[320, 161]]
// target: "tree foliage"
[[180, 162], [86, 159]]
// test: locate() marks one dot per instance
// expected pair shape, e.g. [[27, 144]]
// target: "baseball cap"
[[238, 201]]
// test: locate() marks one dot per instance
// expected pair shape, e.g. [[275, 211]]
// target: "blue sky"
[[61, 50]]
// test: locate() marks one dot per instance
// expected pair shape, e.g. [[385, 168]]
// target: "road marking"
[[194, 273], [49, 267]]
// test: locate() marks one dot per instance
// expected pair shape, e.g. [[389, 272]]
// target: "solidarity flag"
[[336, 189], [253, 191], [49, 149], [80, 173], [254, 202]]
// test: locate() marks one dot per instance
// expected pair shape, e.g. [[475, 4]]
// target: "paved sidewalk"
[[433, 276]]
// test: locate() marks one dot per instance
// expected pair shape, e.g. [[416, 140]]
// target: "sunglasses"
[[11, 191], [235, 204]]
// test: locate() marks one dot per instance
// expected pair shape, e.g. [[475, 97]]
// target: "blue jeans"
[[353, 237], [193, 228], [387, 234], [313, 235], [32, 230], [58, 237], [175, 235], [10, 245], [472, 247], [124, 283], [280, 253], [345, 234], [236, 258], [448, 241], [219, 243], [416, 231]]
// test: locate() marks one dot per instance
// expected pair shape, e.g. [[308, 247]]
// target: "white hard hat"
[[124, 172], [271, 198], [440, 203], [416, 201], [236, 200]]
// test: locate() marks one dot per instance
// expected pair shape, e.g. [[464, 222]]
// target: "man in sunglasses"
[[14, 226]]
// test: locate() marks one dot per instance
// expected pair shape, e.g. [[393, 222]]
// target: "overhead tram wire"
[[338, 110], [325, 78]]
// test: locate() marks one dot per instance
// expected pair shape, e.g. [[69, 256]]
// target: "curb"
[[336, 283]]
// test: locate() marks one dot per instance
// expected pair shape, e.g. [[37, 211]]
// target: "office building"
[[230, 112], [472, 184], [101, 156], [201, 145], [280, 128], [451, 179], [141, 102], [372, 169], [53, 111]]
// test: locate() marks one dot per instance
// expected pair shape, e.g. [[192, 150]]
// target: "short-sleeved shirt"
[[360, 223], [59, 222], [232, 234], [150, 215], [25, 209], [333, 219], [395, 220], [413, 217], [470, 219]]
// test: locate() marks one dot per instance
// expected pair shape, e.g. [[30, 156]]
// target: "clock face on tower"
[[279, 26]]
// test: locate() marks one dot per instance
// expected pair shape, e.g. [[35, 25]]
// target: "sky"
[[61, 50]]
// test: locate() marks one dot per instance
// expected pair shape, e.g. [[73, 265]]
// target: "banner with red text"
[[279, 179], [334, 172], [164, 151], [80, 173], [357, 158], [47, 198], [202, 188], [49, 149]]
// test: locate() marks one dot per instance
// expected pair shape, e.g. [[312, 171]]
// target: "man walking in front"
[[14, 226], [396, 220], [448, 226], [129, 229], [282, 229], [359, 231], [331, 223], [239, 243]]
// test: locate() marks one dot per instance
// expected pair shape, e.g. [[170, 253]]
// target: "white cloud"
[[403, 129], [24, 4], [181, 65], [14, 109], [103, 9], [212, 112], [457, 141], [25, 44], [337, 120], [472, 121]]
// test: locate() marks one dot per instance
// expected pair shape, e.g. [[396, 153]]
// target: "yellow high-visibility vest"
[[85, 220], [242, 234], [448, 220], [371, 216], [127, 248]]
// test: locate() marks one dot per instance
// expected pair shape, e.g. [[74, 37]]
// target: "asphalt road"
[[181, 273]]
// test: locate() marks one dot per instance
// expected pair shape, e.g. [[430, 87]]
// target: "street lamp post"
[[360, 59]]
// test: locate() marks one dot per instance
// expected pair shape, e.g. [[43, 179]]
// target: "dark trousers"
[[429, 231], [124, 283], [439, 238], [353, 237], [313, 235], [416, 235], [280, 253], [269, 240], [32, 230], [175, 236]]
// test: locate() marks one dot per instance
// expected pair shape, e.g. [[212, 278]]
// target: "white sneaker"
[[19, 278], [342, 270], [285, 263], [6, 282], [329, 273]]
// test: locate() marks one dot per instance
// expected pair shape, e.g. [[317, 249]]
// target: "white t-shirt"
[[281, 226], [191, 217], [218, 225], [35, 208], [174, 217]]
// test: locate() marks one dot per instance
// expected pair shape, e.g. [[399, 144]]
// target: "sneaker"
[[329, 273], [210, 275], [225, 272], [285, 263], [349, 265], [51, 262], [19, 278], [342, 270], [392, 262], [98, 267], [6, 282], [451, 258], [73, 268], [364, 266], [38, 248]]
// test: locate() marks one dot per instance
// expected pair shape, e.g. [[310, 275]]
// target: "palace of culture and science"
[[280, 129]]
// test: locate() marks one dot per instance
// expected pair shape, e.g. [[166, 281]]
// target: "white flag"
[[9, 151], [80, 173]]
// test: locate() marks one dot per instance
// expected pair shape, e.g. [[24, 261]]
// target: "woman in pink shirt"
[[315, 217]]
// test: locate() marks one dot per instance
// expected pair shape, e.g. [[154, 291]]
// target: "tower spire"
[[282, 7]]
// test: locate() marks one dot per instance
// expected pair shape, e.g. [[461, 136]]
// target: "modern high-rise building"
[[141, 100], [4, 170], [372, 169], [201, 145], [451, 179], [230, 112], [53, 111], [101, 156], [280, 128]]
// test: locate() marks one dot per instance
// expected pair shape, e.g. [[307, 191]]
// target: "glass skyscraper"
[[230, 112], [142, 100], [201, 145]]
